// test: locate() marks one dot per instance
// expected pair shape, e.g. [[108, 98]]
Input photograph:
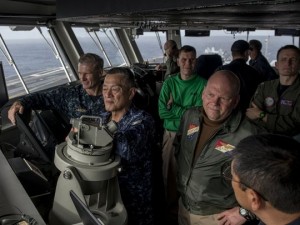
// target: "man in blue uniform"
[[70, 101], [133, 142]]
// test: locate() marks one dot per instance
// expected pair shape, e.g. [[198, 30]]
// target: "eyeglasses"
[[227, 175]]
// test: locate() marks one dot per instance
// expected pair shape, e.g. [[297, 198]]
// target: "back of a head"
[[256, 44], [269, 164], [239, 47], [206, 65], [172, 43]]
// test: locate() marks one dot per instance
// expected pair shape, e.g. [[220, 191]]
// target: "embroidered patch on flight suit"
[[269, 101], [224, 147], [192, 129], [286, 102]]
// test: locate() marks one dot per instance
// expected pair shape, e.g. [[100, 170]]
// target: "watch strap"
[[262, 115]]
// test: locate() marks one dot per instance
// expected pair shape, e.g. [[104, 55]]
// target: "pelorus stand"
[[89, 169]]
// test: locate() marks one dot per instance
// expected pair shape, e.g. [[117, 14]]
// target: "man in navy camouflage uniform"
[[70, 101], [133, 142]]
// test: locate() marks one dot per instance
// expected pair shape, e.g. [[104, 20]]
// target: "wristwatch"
[[246, 214], [262, 115]]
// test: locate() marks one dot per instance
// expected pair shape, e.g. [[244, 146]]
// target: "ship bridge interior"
[[138, 16], [124, 18]]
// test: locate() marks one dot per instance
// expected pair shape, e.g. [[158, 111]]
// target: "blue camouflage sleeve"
[[134, 143], [44, 100]]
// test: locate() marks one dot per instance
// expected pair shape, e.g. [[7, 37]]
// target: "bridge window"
[[151, 45], [102, 42], [220, 42], [30, 61]]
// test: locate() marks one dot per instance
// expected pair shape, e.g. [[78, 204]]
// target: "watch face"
[[243, 212], [246, 214]]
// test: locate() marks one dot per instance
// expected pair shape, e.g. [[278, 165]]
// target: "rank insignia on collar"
[[82, 110], [224, 147]]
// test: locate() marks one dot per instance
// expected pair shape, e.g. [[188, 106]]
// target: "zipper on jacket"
[[201, 154]]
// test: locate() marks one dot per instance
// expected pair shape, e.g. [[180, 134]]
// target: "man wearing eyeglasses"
[[265, 178], [206, 137]]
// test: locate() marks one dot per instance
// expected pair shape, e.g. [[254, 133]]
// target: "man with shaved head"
[[203, 145], [171, 52]]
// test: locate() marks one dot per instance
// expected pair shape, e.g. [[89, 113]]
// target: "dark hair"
[[288, 47], [187, 48], [95, 60], [126, 73], [239, 47], [256, 44], [270, 164]]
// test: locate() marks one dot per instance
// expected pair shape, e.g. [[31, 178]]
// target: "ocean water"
[[32, 56]]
